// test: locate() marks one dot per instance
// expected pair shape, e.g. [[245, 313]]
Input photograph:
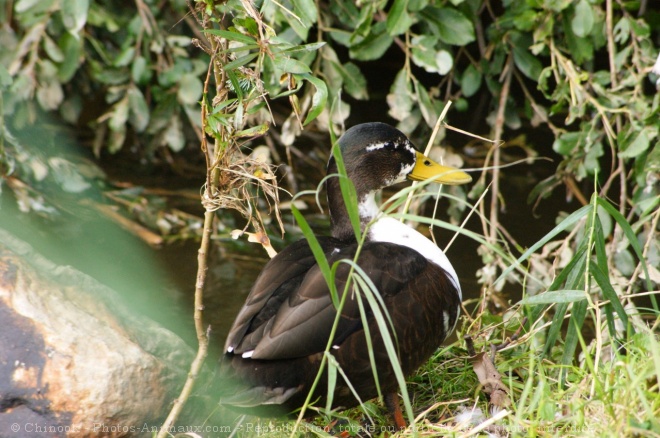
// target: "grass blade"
[[333, 365], [555, 296], [383, 320], [632, 239], [348, 193], [567, 223], [319, 255], [609, 293], [574, 281], [578, 313]]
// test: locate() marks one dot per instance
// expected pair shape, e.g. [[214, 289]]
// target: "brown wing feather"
[[417, 294], [293, 317], [279, 278]]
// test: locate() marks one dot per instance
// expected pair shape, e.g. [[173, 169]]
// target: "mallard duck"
[[275, 346]]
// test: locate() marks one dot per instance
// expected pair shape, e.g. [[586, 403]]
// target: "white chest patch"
[[387, 229]]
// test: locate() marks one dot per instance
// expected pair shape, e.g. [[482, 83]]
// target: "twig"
[[202, 336], [202, 269], [467, 218], [499, 127], [151, 238]]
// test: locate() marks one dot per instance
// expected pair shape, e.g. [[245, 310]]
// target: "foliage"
[[126, 72], [579, 70]]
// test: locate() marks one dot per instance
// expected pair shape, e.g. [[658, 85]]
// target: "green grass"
[[618, 396], [586, 363]]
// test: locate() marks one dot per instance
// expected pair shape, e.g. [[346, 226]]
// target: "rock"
[[74, 360]]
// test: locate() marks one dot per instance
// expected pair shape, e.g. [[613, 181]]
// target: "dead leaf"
[[260, 237], [491, 380]]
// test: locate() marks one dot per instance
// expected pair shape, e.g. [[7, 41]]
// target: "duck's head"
[[377, 155]]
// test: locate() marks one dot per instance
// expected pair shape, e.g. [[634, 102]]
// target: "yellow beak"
[[425, 168]]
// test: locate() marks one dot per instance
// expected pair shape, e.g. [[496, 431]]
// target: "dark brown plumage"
[[275, 346]]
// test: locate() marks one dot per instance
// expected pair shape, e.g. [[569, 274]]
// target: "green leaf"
[[72, 48], [573, 275], [425, 55], [239, 62], [639, 144], [173, 134], [555, 296], [254, 131], [311, 47], [306, 11], [125, 57], [581, 49], [140, 73], [235, 83], [398, 18], [471, 80], [450, 25], [622, 31], [400, 99], [232, 35], [528, 64], [374, 45], [429, 111], [526, 20], [302, 17], [74, 14], [591, 163], [119, 116], [444, 61], [354, 81], [319, 99], [346, 11], [139, 109], [640, 28], [583, 21], [50, 95], [566, 143], [190, 89], [290, 65], [366, 20], [24, 5], [53, 50], [363, 289], [417, 5], [423, 52], [5, 78]]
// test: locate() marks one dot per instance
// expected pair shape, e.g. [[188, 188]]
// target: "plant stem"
[[202, 336], [497, 138]]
